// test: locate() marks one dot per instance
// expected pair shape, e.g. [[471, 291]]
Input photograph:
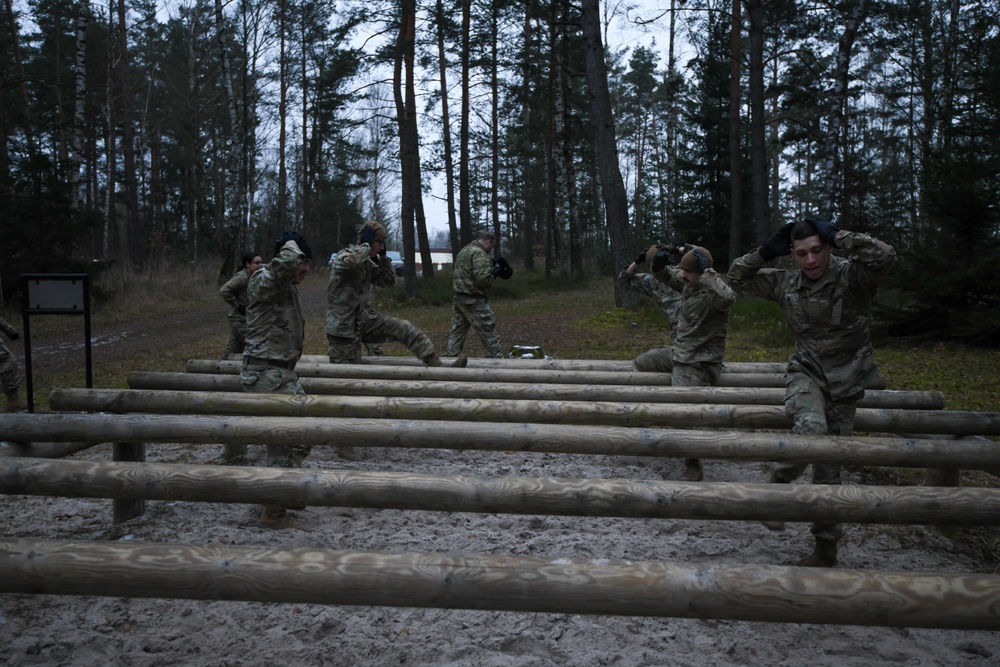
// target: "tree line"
[[131, 132]]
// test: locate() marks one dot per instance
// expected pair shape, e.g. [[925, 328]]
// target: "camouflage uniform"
[[833, 361], [275, 335], [234, 292], [699, 341], [351, 318], [695, 358], [9, 377], [470, 306], [667, 300]]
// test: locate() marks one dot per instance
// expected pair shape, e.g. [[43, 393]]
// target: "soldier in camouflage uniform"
[[9, 378], [475, 272], [351, 318], [667, 300], [234, 292], [699, 342], [826, 304], [275, 336]]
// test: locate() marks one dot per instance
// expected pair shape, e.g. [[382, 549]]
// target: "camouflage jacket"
[[701, 331], [350, 294], [829, 317], [234, 292], [7, 329], [667, 300], [473, 271], [275, 325]]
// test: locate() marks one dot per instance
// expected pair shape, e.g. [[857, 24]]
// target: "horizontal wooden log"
[[493, 436], [309, 575], [503, 495], [914, 400], [615, 365], [555, 412], [368, 372]]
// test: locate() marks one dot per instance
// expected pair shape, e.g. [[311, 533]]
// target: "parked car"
[[397, 261]]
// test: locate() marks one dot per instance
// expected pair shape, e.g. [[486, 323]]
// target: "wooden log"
[[308, 575], [616, 365], [919, 400], [492, 436], [556, 496], [556, 412], [366, 372]]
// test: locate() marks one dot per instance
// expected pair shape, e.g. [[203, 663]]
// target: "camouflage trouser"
[[813, 412], [237, 337], [660, 360], [273, 380], [475, 312], [9, 377], [379, 329]]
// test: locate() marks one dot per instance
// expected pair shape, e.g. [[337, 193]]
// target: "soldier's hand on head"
[[703, 262], [827, 230], [640, 258], [660, 260], [779, 244]]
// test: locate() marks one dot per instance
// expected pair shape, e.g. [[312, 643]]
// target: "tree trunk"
[[449, 167], [758, 153], [134, 232], [464, 205], [80, 105], [735, 132], [282, 116], [612, 186]]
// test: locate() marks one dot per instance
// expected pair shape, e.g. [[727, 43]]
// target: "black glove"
[[242, 310], [703, 262], [299, 241], [780, 243], [660, 260], [367, 235], [827, 230], [502, 269], [382, 251], [640, 258], [15, 336]]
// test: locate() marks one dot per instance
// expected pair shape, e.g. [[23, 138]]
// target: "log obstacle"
[[643, 499], [968, 454], [618, 366], [914, 400], [469, 410], [368, 372], [505, 583], [36, 448]]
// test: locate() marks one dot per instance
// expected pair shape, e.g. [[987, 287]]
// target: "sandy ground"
[[85, 631]]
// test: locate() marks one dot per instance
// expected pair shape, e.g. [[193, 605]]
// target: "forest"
[[140, 131]]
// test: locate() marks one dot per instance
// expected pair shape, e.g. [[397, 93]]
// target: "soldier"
[[275, 335], [9, 377], [668, 300], [699, 341], [234, 292], [826, 302], [475, 272]]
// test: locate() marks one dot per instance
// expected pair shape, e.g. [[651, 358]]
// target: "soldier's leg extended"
[[459, 329], [479, 313], [343, 350], [694, 375], [273, 380], [657, 360], [382, 328]]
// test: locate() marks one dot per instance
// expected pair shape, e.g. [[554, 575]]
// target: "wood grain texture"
[[721, 416], [494, 436], [503, 495], [913, 400], [463, 581]]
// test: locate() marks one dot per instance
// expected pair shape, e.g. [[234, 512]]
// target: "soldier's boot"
[[14, 402], [276, 517], [824, 555], [432, 359], [347, 453], [773, 525], [693, 471], [461, 362]]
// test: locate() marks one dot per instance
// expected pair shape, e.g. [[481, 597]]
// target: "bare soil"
[[97, 631]]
